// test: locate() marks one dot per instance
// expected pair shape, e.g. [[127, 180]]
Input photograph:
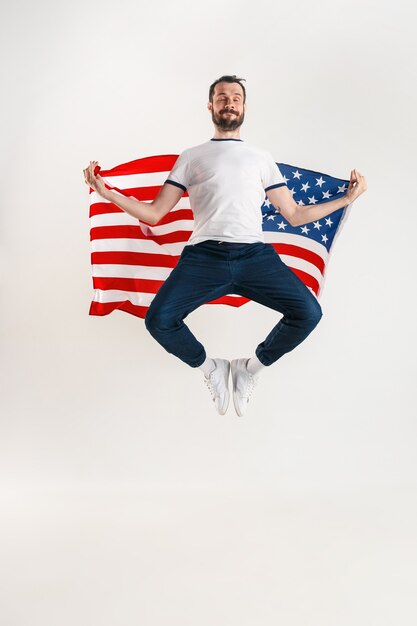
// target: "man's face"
[[227, 108]]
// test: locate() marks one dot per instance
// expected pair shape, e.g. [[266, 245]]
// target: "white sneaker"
[[218, 384], [243, 384]]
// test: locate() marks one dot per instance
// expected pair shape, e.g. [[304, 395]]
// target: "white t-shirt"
[[226, 181]]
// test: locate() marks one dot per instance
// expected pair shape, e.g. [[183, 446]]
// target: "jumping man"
[[227, 179]]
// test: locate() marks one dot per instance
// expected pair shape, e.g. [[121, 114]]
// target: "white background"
[[125, 498]]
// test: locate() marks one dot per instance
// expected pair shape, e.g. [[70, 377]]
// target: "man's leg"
[[266, 279], [201, 275], [198, 277]]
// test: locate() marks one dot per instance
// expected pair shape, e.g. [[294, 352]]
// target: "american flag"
[[131, 259]]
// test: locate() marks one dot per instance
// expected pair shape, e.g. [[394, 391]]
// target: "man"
[[226, 180]]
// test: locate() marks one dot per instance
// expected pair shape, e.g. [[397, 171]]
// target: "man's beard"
[[227, 122]]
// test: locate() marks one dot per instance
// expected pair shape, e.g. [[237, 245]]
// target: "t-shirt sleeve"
[[178, 176], [271, 174]]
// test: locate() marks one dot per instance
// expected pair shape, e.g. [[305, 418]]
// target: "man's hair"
[[227, 79]]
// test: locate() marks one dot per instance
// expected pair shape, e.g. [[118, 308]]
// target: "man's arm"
[[166, 199], [149, 212], [297, 215]]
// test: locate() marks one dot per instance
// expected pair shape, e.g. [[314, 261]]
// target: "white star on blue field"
[[307, 187]]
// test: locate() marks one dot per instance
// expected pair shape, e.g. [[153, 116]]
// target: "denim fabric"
[[211, 269]]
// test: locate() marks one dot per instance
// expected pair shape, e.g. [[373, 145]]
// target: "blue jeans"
[[209, 270]]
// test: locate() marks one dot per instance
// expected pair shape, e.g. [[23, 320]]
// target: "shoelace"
[[253, 381], [210, 385]]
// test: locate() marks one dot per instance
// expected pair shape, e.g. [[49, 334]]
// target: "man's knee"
[[152, 320], [157, 320], [314, 312], [309, 314]]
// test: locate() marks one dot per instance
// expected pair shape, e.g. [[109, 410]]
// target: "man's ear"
[[209, 106]]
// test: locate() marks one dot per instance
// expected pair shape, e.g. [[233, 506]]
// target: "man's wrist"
[[105, 193]]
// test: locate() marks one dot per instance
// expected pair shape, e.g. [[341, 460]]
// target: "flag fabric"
[[131, 259]]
